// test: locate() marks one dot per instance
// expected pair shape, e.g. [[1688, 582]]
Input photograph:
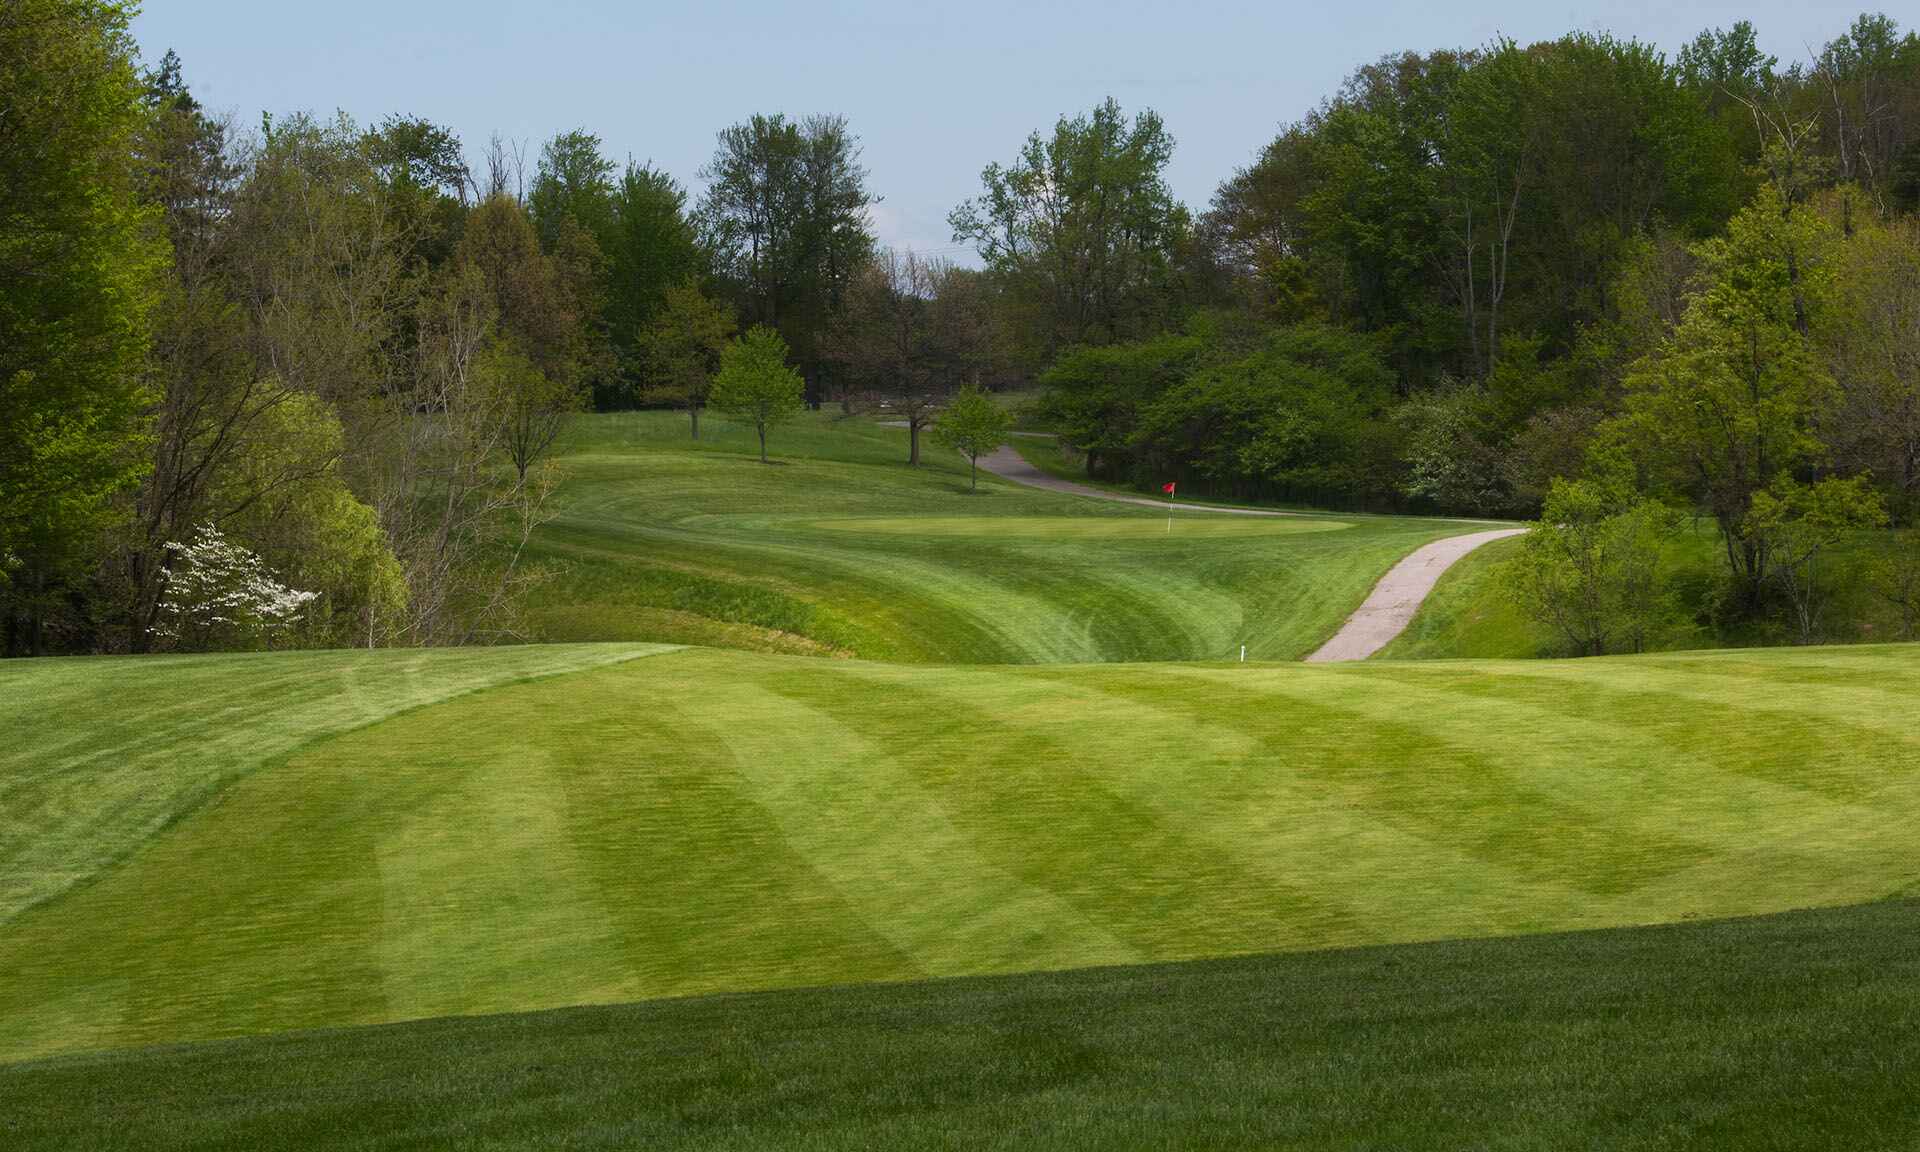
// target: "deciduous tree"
[[973, 425], [1082, 225], [80, 265], [755, 383], [682, 348]]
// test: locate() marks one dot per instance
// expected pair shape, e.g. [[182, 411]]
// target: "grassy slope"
[[706, 821], [660, 538], [1784, 1032], [1470, 615], [102, 754]]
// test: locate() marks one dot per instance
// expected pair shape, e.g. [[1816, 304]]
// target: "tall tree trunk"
[[973, 473], [694, 412], [913, 442], [763, 443]]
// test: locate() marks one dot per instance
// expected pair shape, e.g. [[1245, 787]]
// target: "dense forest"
[[301, 380]]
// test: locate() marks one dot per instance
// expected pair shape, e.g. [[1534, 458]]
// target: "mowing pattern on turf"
[[705, 820]]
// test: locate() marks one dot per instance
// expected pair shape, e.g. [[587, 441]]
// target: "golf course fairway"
[[697, 821]]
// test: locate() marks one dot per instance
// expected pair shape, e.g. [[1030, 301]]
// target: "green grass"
[[101, 755], [706, 821], [1785, 1032], [1470, 614], [840, 548]]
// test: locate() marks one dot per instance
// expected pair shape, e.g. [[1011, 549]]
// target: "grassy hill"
[[1784, 1032], [840, 548], [703, 821]]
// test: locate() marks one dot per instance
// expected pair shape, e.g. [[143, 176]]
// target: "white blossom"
[[216, 589]]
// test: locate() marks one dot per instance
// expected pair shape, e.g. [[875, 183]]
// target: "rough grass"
[[842, 548], [1786, 1032], [705, 821]]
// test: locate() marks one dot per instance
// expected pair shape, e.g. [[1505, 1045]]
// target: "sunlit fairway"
[[697, 821], [839, 547]]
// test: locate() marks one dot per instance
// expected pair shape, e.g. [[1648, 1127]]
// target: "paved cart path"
[[1390, 607]]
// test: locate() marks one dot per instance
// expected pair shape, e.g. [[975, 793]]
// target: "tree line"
[[1576, 279], [313, 356]]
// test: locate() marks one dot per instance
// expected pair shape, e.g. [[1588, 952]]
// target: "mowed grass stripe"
[[707, 821], [101, 754], [1658, 786], [1123, 855]]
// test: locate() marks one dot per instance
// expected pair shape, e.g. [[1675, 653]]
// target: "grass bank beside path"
[[1784, 1032], [840, 548], [706, 821], [103, 753], [1471, 614]]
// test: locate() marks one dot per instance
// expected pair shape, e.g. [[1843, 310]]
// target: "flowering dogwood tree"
[[218, 594]]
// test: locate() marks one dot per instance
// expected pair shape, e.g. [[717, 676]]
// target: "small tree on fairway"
[[974, 425], [755, 384]]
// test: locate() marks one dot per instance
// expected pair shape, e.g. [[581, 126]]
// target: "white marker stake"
[[1243, 653]]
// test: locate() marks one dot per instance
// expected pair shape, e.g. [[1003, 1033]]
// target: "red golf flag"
[[1167, 488]]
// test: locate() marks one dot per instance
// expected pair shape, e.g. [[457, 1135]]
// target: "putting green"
[[1186, 525]]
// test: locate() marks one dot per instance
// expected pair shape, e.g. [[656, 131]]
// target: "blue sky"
[[934, 91]]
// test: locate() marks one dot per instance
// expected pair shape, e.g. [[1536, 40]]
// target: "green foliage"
[[1297, 418], [1869, 337], [682, 348], [1734, 396], [786, 218], [283, 494], [574, 182], [426, 179], [1793, 525], [1446, 200], [1894, 576], [80, 261], [1096, 396], [973, 425], [1081, 228], [1449, 461], [652, 250], [755, 383], [1592, 569]]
